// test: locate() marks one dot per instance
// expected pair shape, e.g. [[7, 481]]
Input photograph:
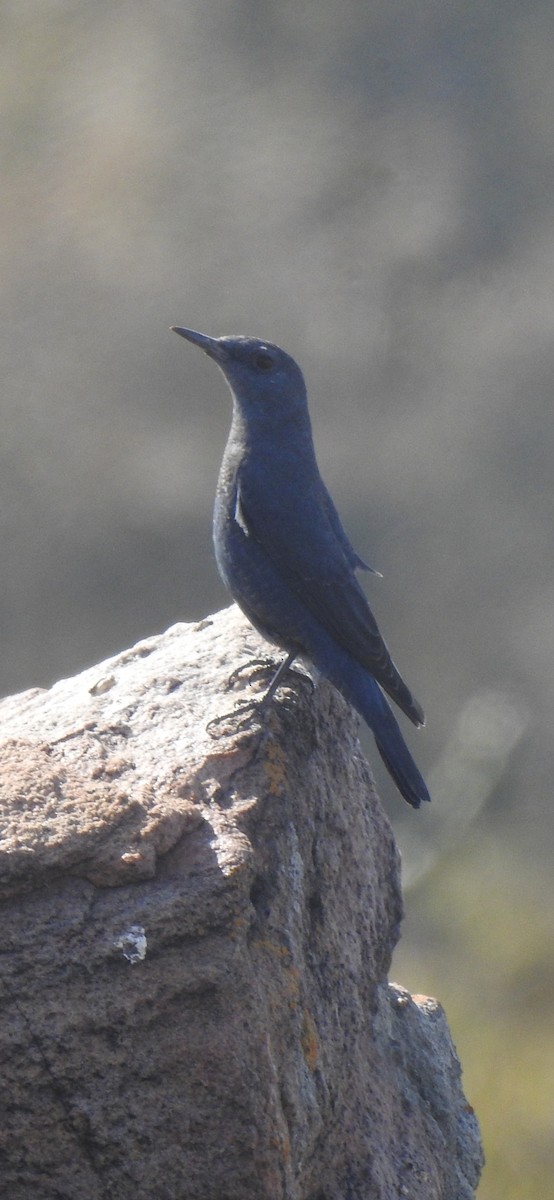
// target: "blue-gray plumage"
[[283, 554]]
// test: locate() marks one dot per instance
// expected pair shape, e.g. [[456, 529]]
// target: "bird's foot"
[[240, 717], [302, 677], [253, 667], [263, 666], [244, 713]]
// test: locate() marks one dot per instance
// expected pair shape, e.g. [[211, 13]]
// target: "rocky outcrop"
[[197, 923]]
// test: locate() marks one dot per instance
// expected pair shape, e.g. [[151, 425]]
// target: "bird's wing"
[[314, 561], [354, 559]]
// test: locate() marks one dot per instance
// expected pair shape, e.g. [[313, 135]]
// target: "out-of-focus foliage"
[[372, 187], [479, 933]]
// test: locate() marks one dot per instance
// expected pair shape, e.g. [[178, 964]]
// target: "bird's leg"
[[281, 670]]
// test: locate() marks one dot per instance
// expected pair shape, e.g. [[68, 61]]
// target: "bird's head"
[[266, 383]]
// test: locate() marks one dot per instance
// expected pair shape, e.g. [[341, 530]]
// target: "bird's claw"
[[256, 666], [241, 716], [302, 677]]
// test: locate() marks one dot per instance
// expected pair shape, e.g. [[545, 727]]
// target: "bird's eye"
[[263, 361]]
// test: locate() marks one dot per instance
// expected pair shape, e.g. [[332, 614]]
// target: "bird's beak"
[[209, 345]]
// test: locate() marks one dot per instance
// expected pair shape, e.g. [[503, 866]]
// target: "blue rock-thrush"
[[283, 554]]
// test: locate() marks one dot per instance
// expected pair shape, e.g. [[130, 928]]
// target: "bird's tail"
[[391, 745], [401, 766]]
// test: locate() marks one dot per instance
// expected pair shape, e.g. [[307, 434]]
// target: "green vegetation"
[[478, 934]]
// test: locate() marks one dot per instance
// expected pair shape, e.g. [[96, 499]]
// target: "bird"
[[283, 554]]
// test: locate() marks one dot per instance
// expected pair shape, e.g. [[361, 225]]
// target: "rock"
[[197, 924]]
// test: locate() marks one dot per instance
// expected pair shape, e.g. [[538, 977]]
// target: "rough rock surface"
[[197, 925]]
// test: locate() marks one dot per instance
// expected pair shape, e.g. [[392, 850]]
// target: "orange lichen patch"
[[275, 767], [275, 948], [310, 1040]]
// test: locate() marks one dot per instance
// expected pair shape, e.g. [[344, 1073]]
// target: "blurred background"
[[372, 187]]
